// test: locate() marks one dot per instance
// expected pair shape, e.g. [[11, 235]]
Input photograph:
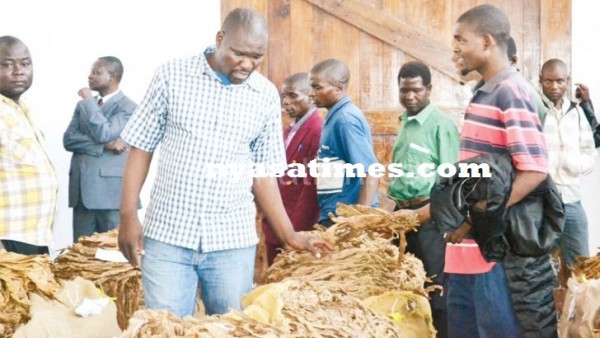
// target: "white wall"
[[586, 69], [65, 37]]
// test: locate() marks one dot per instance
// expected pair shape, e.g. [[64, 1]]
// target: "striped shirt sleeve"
[[524, 137]]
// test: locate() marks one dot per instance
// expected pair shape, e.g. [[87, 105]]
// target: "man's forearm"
[[136, 171], [524, 183], [368, 190], [268, 199], [588, 110]]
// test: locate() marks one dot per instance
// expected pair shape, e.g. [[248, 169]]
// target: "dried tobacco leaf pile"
[[588, 267], [357, 220], [20, 275], [119, 280], [310, 297], [364, 262], [366, 270], [304, 308], [151, 324]]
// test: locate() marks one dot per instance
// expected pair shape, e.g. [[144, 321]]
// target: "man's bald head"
[[247, 20], [328, 81], [554, 64], [16, 69], [298, 81], [554, 80], [488, 19], [294, 96], [8, 41], [332, 70], [241, 45]]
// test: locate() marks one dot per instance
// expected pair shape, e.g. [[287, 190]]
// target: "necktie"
[[100, 102]]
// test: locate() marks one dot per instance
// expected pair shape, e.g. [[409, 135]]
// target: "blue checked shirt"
[[199, 120]]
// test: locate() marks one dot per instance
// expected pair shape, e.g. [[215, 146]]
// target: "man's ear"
[[219, 38], [340, 86], [488, 40]]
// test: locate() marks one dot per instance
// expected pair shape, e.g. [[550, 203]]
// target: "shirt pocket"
[[417, 155], [23, 147], [331, 176]]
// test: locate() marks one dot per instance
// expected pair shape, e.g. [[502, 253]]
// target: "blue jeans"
[[574, 238], [480, 306], [170, 276]]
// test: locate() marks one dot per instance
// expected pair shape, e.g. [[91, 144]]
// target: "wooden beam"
[[394, 32]]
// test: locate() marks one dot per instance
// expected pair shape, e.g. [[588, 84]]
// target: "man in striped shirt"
[[500, 118]]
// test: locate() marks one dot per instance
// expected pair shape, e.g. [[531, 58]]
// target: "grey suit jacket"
[[96, 174]]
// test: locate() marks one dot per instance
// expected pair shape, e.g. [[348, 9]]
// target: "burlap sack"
[[409, 311], [56, 318]]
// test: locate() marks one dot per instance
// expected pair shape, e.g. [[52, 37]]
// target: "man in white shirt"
[[571, 155]]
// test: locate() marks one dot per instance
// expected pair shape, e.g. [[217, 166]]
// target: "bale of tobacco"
[[587, 267], [356, 220], [118, 280], [304, 308], [152, 324], [364, 261], [20, 275], [369, 269]]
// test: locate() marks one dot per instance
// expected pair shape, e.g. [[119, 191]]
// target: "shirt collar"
[[421, 117], [204, 68], [297, 125], [566, 104], [337, 106], [107, 97], [10, 102], [491, 85]]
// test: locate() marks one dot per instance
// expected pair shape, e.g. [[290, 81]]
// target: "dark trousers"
[[326, 223], [429, 246], [24, 248], [86, 221]]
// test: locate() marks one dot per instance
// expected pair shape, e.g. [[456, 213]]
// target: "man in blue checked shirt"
[[210, 109]]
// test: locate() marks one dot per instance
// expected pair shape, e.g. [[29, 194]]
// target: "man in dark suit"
[[98, 152], [301, 137]]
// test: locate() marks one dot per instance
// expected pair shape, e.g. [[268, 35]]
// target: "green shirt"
[[429, 137]]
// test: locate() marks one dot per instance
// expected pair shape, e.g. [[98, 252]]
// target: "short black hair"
[[553, 64], [114, 66], [245, 19], [414, 69], [488, 19], [511, 48], [334, 71], [298, 81]]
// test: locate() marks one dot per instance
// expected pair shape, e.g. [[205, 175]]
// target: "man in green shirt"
[[426, 137]]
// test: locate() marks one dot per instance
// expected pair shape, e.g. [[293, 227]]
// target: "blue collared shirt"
[[346, 138]]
